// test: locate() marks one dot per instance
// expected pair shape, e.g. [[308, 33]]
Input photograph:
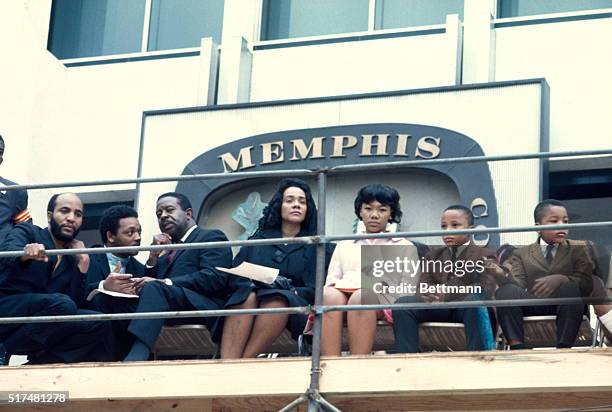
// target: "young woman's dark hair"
[[271, 218], [383, 194]]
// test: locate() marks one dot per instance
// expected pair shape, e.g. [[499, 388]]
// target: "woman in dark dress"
[[290, 213]]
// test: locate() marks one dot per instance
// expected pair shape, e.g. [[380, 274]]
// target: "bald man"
[[37, 284]]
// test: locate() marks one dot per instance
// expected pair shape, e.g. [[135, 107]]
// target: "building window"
[[393, 14], [85, 28], [182, 23], [95, 203], [285, 19], [515, 8]]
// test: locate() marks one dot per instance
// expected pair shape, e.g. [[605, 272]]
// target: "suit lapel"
[[562, 251], [53, 268], [535, 251], [180, 252]]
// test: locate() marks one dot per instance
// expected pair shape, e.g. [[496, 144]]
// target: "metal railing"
[[312, 395]]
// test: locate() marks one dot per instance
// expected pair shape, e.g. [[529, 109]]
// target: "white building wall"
[[353, 67], [576, 60]]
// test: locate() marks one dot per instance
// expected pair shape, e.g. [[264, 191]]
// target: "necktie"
[[549, 254], [453, 251], [171, 256], [59, 260]]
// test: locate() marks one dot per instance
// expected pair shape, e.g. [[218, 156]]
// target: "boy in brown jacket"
[[550, 267]]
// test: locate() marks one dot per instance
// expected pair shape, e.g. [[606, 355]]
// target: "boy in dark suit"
[[547, 268], [183, 280], [36, 284], [448, 273]]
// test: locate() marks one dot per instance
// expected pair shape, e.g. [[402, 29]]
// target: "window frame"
[[144, 42]]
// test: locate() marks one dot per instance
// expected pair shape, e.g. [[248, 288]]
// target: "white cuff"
[[606, 320], [167, 282], [101, 285]]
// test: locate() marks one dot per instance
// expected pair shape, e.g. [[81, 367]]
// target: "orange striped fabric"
[[23, 216]]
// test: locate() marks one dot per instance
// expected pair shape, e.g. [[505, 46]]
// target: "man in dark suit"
[[13, 210], [39, 285], [181, 279], [13, 203], [548, 268], [459, 264], [110, 272]]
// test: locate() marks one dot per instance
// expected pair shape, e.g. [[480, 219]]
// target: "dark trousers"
[[55, 342], [159, 297], [406, 325], [112, 304], [568, 316]]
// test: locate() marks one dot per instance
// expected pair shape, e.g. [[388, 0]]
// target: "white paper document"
[[249, 270], [110, 293]]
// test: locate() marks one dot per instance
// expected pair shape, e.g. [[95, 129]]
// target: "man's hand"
[[494, 268], [83, 258], [160, 239], [34, 251], [117, 282], [432, 297], [546, 286], [139, 282]]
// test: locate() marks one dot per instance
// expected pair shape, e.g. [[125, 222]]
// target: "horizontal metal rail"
[[304, 310], [469, 159], [307, 172], [312, 239], [475, 231], [308, 310], [467, 304], [173, 246], [158, 179]]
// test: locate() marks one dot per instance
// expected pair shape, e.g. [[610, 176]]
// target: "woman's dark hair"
[[271, 218], [384, 194]]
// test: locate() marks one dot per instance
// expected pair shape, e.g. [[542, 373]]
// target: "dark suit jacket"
[[12, 203], [434, 273], [529, 264], [194, 269], [295, 262], [99, 269], [39, 277]]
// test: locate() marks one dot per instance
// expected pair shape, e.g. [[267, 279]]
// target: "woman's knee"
[[276, 302], [332, 296]]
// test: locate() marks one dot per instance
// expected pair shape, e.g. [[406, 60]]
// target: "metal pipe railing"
[[315, 368], [307, 172], [311, 239], [304, 310], [314, 397]]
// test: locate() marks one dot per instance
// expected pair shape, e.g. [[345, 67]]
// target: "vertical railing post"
[[315, 368]]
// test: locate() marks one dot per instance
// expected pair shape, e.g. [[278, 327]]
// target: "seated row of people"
[[189, 279]]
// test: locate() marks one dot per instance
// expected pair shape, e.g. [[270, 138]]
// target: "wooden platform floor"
[[521, 380]]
